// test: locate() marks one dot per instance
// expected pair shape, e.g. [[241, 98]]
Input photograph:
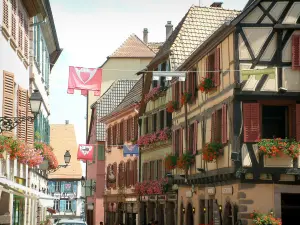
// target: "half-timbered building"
[[245, 149]]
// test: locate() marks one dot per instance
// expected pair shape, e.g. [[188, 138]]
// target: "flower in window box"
[[212, 151], [172, 106], [185, 161], [170, 162], [264, 219], [206, 85], [185, 97]]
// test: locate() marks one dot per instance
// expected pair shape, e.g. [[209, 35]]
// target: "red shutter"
[[136, 127], [125, 130], [174, 91], [251, 112], [127, 174], [217, 67], [107, 174], [187, 82], [180, 92], [296, 52], [173, 142], [135, 171], [213, 117], [132, 128], [195, 137], [193, 80], [180, 141], [111, 136], [224, 124], [297, 122], [115, 170], [118, 133], [206, 67]]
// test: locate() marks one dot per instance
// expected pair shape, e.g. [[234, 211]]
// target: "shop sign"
[[172, 197], [152, 197], [227, 190], [130, 199], [161, 198], [144, 198], [211, 191]]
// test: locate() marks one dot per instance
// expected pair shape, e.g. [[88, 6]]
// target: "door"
[[290, 208], [189, 215]]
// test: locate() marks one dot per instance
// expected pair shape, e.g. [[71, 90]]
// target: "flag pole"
[[86, 140]]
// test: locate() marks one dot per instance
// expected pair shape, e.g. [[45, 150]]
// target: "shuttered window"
[[251, 119], [213, 66], [109, 136], [135, 171], [128, 174], [108, 171], [146, 129], [121, 175], [8, 96], [191, 137], [21, 31], [159, 169], [114, 135], [136, 127], [178, 142], [121, 131], [154, 122], [22, 112], [297, 122], [125, 130], [224, 124], [296, 52], [118, 134], [129, 128], [162, 119], [30, 125], [216, 126], [14, 21], [191, 83], [132, 129], [152, 170], [115, 172], [5, 15]]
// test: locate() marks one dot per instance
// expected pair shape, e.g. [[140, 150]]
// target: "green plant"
[[37, 135], [185, 97], [170, 162], [206, 84], [264, 219], [185, 161], [212, 151], [172, 106]]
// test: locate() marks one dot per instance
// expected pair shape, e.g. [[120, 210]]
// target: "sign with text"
[[169, 75], [227, 190], [211, 191]]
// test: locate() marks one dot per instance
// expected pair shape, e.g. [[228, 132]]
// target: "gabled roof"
[[133, 97], [194, 28], [133, 47], [109, 101]]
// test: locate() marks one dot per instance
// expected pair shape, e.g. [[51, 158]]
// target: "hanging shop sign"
[[161, 198], [211, 190], [227, 190]]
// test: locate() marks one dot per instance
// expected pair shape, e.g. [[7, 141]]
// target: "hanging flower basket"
[[206, 85], [264, 219], [170, 162], [212, 151], [185, 161], [277, 147], [185, 97], [44, 165], [153, 187], [172, 106]]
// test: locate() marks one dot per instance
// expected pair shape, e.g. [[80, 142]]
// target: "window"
[[152, 170], [210, 65], [109, 133], [145, 172], [275, 122], [154, 83], [159, 169], [191, 137], [192, 85], [216, 126], [154, 122], [162, 119], [136, 127], [114, 135], [169, 119], [57, 186], [213, 66], [296, 52], [56, 205], [146, 125], [129, 128], [68, 205], [177, 142]]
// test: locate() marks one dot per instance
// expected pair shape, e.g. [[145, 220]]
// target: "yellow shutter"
[[26, 39], [21, 32], [21, 110], [5, 22], [8, 97], [30, 125], [14, 20]]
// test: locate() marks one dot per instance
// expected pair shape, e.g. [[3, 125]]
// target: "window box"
[[212, 151], [172, 106], [206, 85]]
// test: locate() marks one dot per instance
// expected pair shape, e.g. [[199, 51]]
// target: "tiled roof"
[[133, 96], [109, 101], [133, 47], [62, 138], [195, 27], [155, 46]]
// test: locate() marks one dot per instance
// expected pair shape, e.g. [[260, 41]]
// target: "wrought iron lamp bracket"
[[9, 123], [59, 166]]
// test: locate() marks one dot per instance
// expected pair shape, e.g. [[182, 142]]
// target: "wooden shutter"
[[22, 112], [115, 170], [207, 67], [213, 122], [179, 92], [193, 85], [187, 82], [5, 22], [8, 97], [217, 67], [125, 130], [30, 125], [173, 91], [127, 174], [251, 113], [195, 137], [132, 129], [297, 122], [173, 142], [296, 52], [180, 141], [129, 128], [14, 21], [118, 134], [21, 31], [135, 171], [136, 127], [26, 40], [224, 124], [107, 179]]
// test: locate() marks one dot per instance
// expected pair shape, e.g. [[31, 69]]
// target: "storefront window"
[[18, 210]]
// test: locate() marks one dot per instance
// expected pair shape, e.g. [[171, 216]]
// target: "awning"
[[44, 199]]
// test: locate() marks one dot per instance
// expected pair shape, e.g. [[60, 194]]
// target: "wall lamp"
[[9, 123], [67, 158], [183, 210]]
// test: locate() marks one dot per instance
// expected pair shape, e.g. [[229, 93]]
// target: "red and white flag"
[[85, 152], [84, 79]]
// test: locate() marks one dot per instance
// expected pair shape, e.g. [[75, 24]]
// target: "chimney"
[[169, 29], [217, 4], [67, 122], [145, 37]]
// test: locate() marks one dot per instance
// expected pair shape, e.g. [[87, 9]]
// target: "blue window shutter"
[[159, 67], [62, 187], [74, 205], [62, 206], [75, 186], [51, 186], [38, 45], [167, 65]]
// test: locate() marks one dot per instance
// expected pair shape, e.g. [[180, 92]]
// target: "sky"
[[90, 30]]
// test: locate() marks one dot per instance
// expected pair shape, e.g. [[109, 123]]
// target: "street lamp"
[[67, 158], [9, 123]]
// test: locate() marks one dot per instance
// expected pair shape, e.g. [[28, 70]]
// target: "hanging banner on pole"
[[169, 75], [130, 150], [84, 79], [85, 152]]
